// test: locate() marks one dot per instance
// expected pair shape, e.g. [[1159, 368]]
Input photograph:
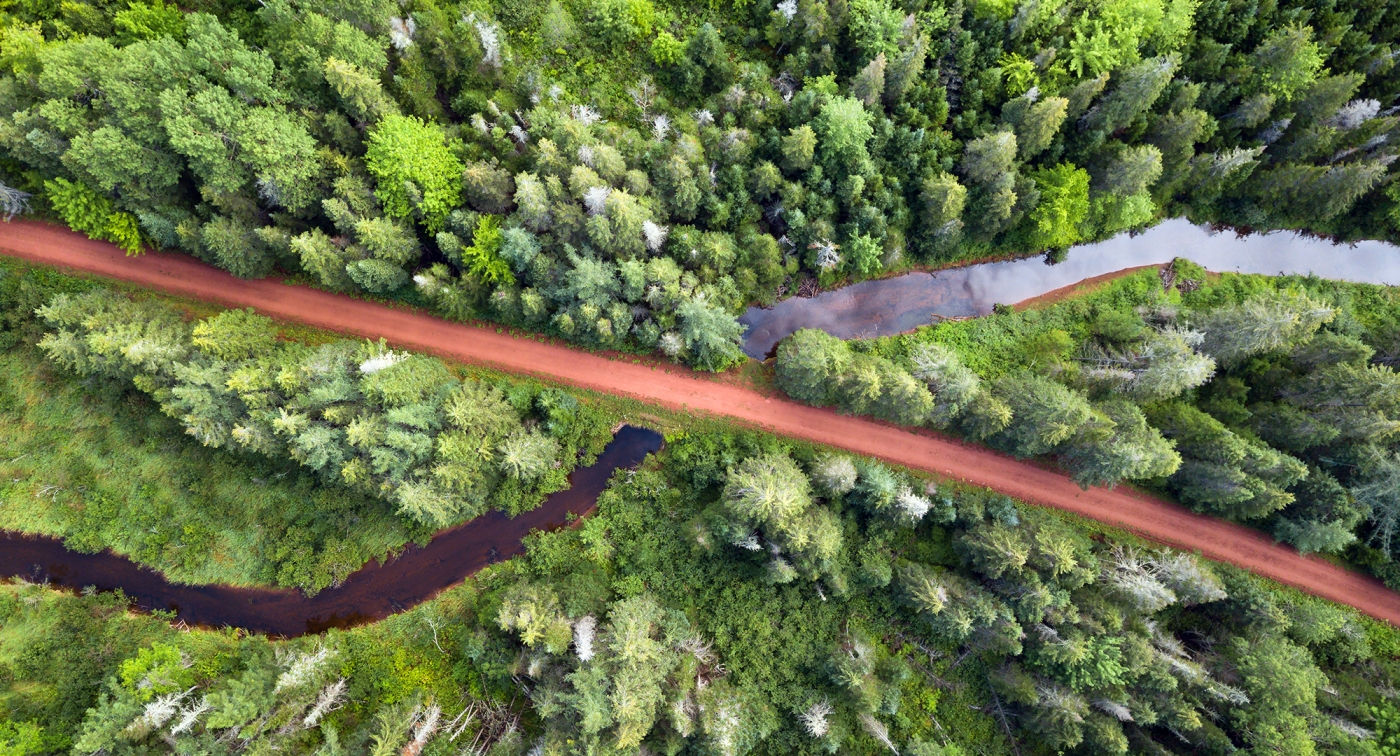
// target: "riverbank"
[[893, 305], [1150, 517], [371, 593]]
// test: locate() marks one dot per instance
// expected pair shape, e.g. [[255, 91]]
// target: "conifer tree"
[[1037, 127], [1045, 414], [1135, 89], [869, 85], [1262, 324], [1132, 171]]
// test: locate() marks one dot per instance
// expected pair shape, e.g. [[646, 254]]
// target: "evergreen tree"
[[843, 129], [1132, 171], [905, 70], [943, 200], [711, 335], [1037, 127], [869, 85], [987, 159], [954, 385], [1321, 99], [534, 613], [532, 202], [770, 493], [1176, 135], [1262, 324], [235, 247], [1309, 194], [360, 93], [798, 148], [235, 335], [1083, 93], [809, 364], [1131, 451], [1135, 89], [1045, 414], [1379, 492], [488, 188]]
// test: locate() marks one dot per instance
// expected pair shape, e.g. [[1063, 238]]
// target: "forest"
[[739, 594], [1270, 401], [628, 174]]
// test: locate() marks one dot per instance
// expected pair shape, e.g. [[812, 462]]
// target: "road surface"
[[1150, 517]]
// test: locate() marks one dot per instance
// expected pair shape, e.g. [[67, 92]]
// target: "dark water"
[[371, 593], [899, 304]]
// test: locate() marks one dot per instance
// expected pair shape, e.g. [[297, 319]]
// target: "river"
[[901, 303], [371, 593]]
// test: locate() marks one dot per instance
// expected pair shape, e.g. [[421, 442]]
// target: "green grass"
[[104, 468]]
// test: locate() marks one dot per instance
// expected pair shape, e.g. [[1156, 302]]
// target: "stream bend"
[[371, 593]]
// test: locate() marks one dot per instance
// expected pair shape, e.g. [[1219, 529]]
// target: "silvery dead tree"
[[13, 201]]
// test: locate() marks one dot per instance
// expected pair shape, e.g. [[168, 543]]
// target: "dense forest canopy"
[[628, 174], [740, 594], [1272, 401]]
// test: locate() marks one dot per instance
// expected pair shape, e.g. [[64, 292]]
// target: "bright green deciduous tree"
[[1064, 204], [1286, 61], [843, 129], [405, 151], [86, 210], [482, 260]]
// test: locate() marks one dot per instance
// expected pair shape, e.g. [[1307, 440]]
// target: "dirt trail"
[[1150, 517]]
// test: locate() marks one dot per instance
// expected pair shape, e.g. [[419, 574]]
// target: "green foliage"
[[819, 369], [241, 138], [1286, 61], [666, 50], [405, 152], [1064, 204], [809, 364], [85, 210], [227, 131], [142, 21], [772, 494], [155, 671], [1045, 414], [482, 260], [1262, 324], [710, 335], [21, 739], [397, 426], [843, 129]]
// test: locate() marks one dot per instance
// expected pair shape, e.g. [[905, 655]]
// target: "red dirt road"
[[1150, 517]]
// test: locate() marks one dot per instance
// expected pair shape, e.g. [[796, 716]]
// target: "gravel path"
[[680, 389]]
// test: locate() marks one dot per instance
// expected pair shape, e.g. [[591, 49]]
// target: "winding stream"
[[371, 593], [902, 303]]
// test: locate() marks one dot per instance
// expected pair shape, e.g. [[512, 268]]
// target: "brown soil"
[[1150, 517], [1077, 289]]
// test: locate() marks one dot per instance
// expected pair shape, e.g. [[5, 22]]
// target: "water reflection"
[[896, 305]]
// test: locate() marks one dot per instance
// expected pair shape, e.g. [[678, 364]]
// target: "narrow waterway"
[[373, 592], [902, 303]]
